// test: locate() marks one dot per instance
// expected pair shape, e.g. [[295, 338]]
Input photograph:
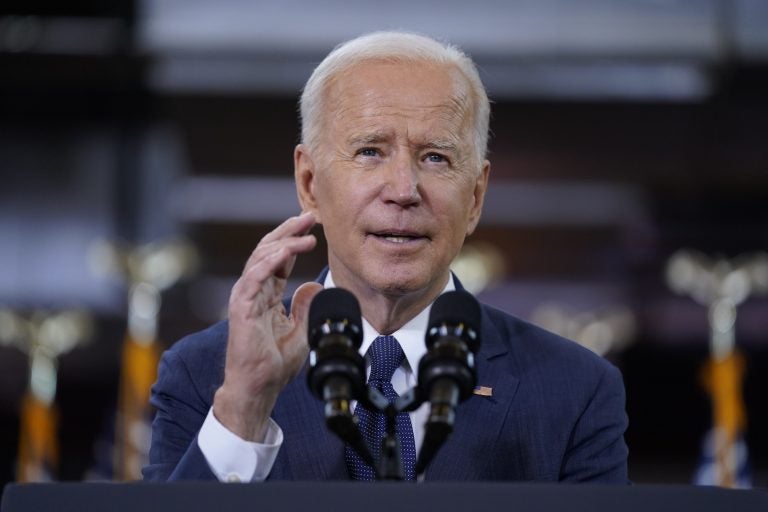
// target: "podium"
[[375, 497]]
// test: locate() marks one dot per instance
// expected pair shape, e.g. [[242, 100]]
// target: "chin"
[[395, 282]]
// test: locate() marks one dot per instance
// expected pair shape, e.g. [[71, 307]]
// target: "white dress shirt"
[[233, 459]]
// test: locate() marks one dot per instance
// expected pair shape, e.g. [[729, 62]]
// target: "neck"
[[388, 311]]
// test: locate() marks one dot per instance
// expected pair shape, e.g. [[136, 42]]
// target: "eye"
[[368, 152], [435, 158]]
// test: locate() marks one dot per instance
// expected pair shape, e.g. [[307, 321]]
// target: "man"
[[392, 164]]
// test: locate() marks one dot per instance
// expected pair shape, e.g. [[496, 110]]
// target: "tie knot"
[[386, 356]]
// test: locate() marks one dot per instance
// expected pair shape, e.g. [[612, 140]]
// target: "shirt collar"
[[410, 336]]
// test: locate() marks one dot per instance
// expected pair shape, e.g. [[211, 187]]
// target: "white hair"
[[391, 47]]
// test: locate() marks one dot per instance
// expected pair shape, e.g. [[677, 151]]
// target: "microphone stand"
[[390, 465], [391, 459], [447, 375], [437, 430], [339, 419]]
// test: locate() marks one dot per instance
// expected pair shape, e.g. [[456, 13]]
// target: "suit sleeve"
[[596, 450], [180, 411]]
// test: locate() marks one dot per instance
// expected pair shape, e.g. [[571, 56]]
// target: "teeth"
[[397, 239]]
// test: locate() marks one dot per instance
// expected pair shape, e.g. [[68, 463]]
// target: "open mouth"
[[398, 237]]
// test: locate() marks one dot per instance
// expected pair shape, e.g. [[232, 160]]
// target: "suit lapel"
[[310, 451], [479, 420]]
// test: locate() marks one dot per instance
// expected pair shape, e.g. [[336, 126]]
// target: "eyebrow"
[[379, 137], [367, 138], [442, 145]]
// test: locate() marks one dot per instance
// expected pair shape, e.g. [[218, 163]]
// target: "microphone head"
[[458, 308], [335, 309]]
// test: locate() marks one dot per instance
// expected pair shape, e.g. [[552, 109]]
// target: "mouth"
[[398, 237]]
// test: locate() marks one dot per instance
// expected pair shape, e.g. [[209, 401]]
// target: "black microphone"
[[337, 370], [447, 373]]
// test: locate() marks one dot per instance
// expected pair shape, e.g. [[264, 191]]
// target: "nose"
[[402, 185]]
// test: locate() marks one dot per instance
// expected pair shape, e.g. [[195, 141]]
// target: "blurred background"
[[146, 147]]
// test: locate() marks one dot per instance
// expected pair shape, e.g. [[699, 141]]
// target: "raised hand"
[[266, 347]]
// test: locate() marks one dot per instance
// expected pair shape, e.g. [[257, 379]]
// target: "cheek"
[[326, 192], [454, 216], [340, 204], [452, 201]]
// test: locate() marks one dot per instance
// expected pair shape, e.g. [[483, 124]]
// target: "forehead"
[[382, 95]]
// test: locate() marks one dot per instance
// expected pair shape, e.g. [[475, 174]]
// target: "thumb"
[[302, 298], [295, 346]]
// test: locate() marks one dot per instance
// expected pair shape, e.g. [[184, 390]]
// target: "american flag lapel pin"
[[483, 391]]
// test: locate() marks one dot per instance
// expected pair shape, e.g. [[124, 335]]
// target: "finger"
[[277, 264], [280, 261], [297, 226], [294, 226], [302, 299], [267, 250], [295, 346]]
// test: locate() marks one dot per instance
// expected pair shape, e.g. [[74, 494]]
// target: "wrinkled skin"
[[397, 185]]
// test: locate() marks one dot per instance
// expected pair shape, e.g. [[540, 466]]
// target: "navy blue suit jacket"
[[556, 414]]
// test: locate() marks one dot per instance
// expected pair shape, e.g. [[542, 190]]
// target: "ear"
[[304, 174], [481, 185]]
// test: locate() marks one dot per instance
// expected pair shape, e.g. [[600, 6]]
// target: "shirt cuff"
[[233, 459]]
